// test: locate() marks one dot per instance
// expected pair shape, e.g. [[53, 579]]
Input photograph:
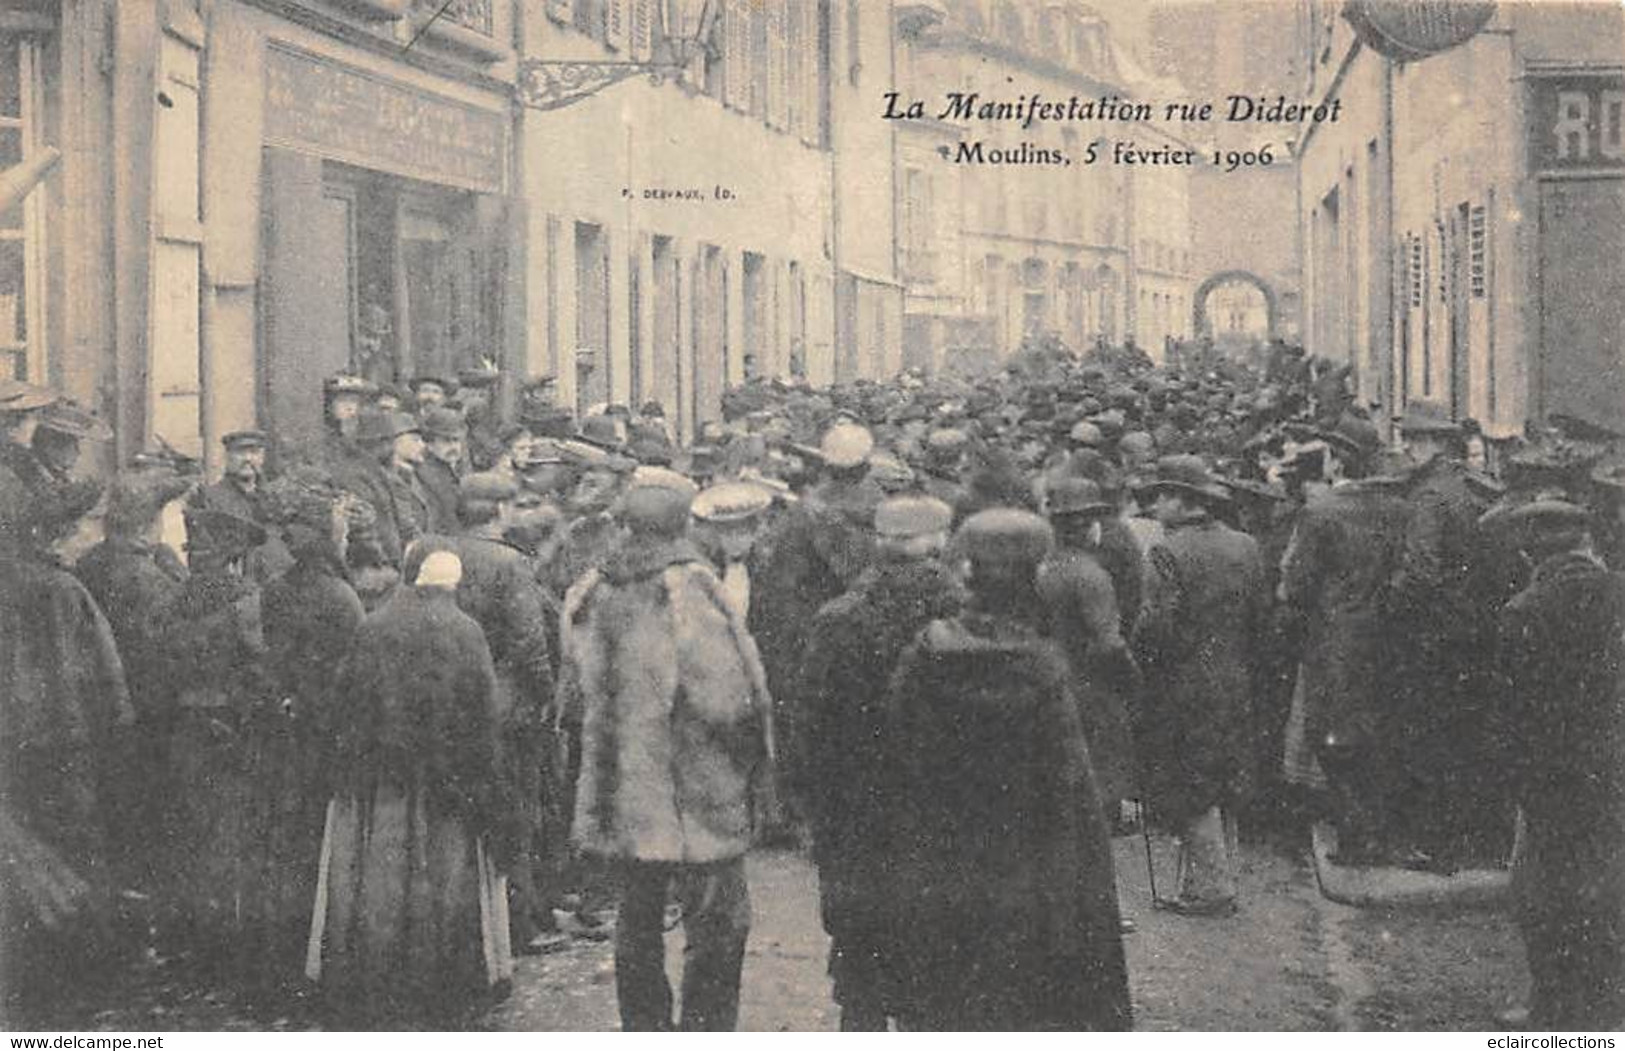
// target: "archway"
[[1201, 324]]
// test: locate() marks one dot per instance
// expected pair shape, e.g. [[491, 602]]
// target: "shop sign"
[[351, 115], [1408, 30], [1577, 122]]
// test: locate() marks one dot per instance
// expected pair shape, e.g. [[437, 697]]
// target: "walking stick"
[[1150, 865]]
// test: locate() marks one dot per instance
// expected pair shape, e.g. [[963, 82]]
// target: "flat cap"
[[907, 517], [479, 377], [1005, 536], [731, 502], [488, 486], [246, 439], [890, 473], [846, 445], [1184, 473], [440, 569], [445, 383], [947, 441], [658, 500]]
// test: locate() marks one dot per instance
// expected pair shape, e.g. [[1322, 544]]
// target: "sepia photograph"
[[812, 516]]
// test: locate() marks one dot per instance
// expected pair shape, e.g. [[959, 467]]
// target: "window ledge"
[[376, 10], [463, 40]]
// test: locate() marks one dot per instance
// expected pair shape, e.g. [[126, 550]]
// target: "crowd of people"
[[431, 690]]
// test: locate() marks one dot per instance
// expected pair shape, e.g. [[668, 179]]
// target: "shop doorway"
[[369, 274]]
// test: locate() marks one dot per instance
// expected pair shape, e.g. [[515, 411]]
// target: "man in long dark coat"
[[239, 492], [1080, 613], [439, 473], [499, 590], [1334, 579], [1197, 642], [852, 649], [1005, 905], [411, 917], [1564, 650], [1445, 594], [63, 703]]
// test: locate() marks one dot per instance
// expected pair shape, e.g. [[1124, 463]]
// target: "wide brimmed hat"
[[603, 431], [445, 383], [1186, 474], [1524, 521]]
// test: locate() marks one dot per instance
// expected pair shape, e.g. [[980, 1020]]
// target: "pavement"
[[1291, 959], [1399, 887]]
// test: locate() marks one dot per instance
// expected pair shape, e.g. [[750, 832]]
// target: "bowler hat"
[[603, 431], [479, 377], [441, 422], [344, 383], [445, 383]]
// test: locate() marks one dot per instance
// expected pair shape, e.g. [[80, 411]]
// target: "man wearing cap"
[[676, 731], [941, 474], [415, 931], [853, 647], [1339, 732], [343, 398], [593, 531], [239, 493], [1444, 595], [439, 472], [1563, 646], [499, 590], [1080, 613], [1197, 642], [1000, 868], [816, 551], [727, 519]]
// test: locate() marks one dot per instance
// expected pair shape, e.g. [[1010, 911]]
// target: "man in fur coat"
[[676, 736], [1001, 865]]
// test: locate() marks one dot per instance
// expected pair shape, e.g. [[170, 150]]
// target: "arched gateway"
[[1200, 324]]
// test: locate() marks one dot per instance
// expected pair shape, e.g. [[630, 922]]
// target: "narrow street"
[[1291, 960]]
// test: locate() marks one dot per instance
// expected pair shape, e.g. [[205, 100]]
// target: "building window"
[[1415, 271], [22, 229], [918, 219], [1476, 244]]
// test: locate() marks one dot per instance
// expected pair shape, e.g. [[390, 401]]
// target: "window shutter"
[[615, 24]]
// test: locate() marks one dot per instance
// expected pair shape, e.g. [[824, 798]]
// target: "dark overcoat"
[[62, 701], [1564, 647], [1005, 901], [1080, 613], [272, 558], [439, 483], [1334, 579], [411, 918], [1197, 642], [852, 650]]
